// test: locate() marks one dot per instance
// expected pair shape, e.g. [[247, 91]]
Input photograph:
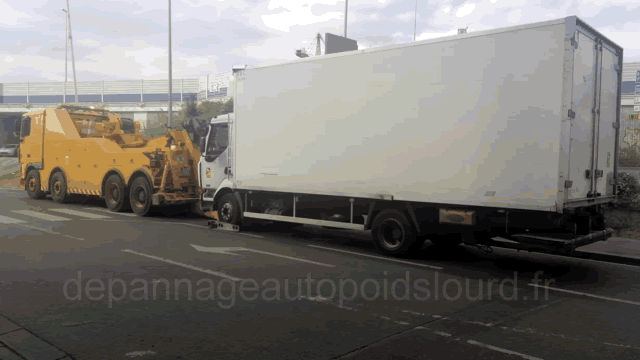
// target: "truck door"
[[607, 116], [214, 160], [585, 83], [32, 139]]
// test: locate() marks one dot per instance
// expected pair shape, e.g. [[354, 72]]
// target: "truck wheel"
[[140, 196], [393, 235], [33, 185], [59, 188], [229, 210], [115, 194], [447, 241]]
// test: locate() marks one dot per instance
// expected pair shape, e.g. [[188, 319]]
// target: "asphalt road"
[[244, 287]]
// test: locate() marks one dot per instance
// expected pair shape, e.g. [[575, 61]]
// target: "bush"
[[628, 191]]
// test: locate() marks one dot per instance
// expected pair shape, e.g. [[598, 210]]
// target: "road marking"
[[524, 356], [39, 215], [227, 250], [140, 353], [377, 257], [206, 271], [50, 232], [589, 295], [80, 213], [114, 213], [8, 220], [207, 227]]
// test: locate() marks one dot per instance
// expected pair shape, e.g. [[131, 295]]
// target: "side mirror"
[[202, 145]]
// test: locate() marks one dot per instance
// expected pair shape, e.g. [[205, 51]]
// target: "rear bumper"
[[173, 199], [561, 242]]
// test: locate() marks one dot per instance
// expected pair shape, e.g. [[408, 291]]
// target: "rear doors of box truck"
[[595, 110]]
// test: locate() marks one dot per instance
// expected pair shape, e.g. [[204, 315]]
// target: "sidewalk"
[[17, 343]]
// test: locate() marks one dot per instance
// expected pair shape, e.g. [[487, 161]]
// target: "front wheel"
[[229, 210], [393, 235], [140, 196], [59, 188], [34, 190]]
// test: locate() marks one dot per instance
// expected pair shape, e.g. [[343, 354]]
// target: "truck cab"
[[215, 163]]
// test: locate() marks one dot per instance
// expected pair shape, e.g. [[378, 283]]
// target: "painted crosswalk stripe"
[[8, 220], [40, 215], [80, 213]]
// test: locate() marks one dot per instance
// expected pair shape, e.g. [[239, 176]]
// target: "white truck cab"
[[215, 165]]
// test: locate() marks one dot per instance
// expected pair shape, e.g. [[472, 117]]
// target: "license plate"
[[186, 171]]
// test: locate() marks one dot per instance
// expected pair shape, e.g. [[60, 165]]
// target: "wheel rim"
[[57, 188], [32, 184], [114, 193], [226, 211], [391, 234], [140, 197]]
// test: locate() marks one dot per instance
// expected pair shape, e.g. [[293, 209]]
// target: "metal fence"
[[204, 87]]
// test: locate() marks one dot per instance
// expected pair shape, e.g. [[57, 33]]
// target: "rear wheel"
[[59, 188], [393, 235], [115, 194], [229, 210], [33, 185], [140, 196]]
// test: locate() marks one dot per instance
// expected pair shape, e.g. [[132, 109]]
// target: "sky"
[[118, 40]]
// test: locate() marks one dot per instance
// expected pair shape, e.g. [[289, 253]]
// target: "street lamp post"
[[66, 52], [73, 60], [415, 23], [170, 82], [346, 5]]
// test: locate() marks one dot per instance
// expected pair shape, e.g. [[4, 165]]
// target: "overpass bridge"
[[143, 100]]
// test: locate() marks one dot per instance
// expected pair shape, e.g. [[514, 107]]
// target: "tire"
[[115, 194], [446, 241], [59, 188], [393, 235], [229, 209], [140, 196], [32, 185]]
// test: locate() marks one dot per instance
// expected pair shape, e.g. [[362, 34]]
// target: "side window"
[[25, 127], [218, 140]]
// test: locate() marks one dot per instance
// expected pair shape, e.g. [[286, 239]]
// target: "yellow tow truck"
[[71, 149]]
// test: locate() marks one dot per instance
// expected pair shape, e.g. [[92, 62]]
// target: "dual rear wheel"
[[138, 198]]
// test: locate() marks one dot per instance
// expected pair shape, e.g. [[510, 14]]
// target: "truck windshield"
[[218, 139]]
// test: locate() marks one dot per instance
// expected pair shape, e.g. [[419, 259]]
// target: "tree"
[[192, 110]]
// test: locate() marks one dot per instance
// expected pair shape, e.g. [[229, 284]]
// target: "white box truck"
[[505, 134]]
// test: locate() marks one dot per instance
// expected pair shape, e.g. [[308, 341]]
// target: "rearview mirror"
[[202, 145]]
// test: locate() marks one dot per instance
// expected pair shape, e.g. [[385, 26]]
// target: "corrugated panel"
[[84, 88], [629, 70], [123, 87], [36, 89], [14, 89]]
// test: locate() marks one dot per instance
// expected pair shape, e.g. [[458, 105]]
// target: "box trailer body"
[[521, 119]]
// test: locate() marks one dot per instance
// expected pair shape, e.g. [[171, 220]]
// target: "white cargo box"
[[522, 117]]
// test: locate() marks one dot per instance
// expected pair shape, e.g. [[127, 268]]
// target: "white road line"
[[8, 220], [256, 236], [206, 271], [290, 257], [377, 257], [524, 356], [80, 213], [589, 295], [49, 231], [578, 258], [41, 216], [113, 212]]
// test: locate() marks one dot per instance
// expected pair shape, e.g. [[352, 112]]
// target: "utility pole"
[[346, 5], [170, 82], [415, 23], [73, 60], [66, 53]]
